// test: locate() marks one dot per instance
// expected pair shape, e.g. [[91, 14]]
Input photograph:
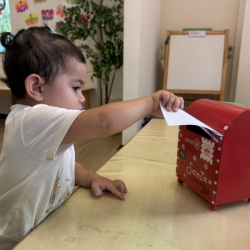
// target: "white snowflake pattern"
[[206, 166], [194, 158], [180, 134], [197, 144], [210, 182], [184, 175], [183, 146]]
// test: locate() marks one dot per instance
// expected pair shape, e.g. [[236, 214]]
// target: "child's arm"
[[113, 118], [86, 178]]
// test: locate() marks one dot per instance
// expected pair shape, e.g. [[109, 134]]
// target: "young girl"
[[38, 172]]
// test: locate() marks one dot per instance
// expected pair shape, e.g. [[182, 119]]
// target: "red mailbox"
[[218, 169]]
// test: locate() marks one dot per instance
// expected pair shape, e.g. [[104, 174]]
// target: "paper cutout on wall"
[[21, 6], [71, 1], [47, 15], [31, 19], [2, 6], [40, 1], [60, 10]]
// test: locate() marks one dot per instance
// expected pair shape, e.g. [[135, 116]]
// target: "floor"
[[95, 153], [91, 154]]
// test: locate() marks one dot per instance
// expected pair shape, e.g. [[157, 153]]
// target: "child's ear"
[[33, 84]]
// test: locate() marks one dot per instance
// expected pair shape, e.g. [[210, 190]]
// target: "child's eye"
[[76, 88]]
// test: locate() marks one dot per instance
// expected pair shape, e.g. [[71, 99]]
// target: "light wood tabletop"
[[158, 213]]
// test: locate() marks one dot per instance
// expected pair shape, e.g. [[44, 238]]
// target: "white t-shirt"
[[36, 173]]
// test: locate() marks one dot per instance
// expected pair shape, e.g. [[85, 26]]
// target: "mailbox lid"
[[215, 114]]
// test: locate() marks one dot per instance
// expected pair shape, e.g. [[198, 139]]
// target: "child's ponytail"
[[6, 39]]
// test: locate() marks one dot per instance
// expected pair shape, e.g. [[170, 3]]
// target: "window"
[[5, 24]]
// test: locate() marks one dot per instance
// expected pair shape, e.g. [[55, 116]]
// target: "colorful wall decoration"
[[60, 10], [31, 19], [2, 6], [47, 15], [21, 6], [41, 11]]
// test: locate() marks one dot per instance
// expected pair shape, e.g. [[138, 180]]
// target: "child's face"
[[66, 90]]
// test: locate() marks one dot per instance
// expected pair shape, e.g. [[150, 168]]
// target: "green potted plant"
[[103, 24]]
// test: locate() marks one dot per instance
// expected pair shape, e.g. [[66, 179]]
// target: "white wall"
[[141, 32], [243, 79]]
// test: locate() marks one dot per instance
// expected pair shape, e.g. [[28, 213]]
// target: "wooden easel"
[[219, 93]]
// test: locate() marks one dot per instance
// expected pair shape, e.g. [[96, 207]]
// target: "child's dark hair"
[[36, 50]]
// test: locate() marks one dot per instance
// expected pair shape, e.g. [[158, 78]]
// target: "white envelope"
[[183, 118]]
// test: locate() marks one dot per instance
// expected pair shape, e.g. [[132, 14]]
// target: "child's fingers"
[[96, 189], [176, 103], [170, 102], [181, 102], [109, 185], [125, 190], [116, 192], [173, 102], [121, 185], [165, 95]]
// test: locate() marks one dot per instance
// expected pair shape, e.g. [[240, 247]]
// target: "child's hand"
[[117, 187], [168, 100]]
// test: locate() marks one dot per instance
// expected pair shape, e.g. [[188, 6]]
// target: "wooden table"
[[4, 90], [158, 212]]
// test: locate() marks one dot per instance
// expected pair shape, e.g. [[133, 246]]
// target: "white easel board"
[[196, 63]]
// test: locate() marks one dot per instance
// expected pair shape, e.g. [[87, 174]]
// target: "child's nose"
[[82, 98]]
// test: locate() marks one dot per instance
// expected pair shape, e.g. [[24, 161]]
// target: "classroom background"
[[158, 212], [145, 26]]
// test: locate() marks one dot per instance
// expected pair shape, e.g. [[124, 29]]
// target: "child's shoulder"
[[19, 109], [39, 109], [40, 115], [35, 114]]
